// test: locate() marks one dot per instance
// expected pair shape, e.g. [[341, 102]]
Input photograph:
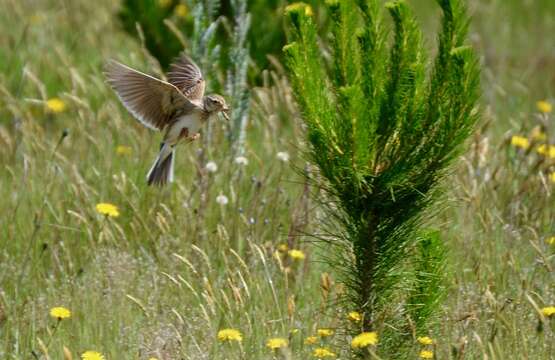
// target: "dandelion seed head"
[[211, 167], [222, 199], [283, 156], [241, 160]]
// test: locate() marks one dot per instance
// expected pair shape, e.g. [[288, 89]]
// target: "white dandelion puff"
[[241, 160], [211, 167], [222, 199], [283, 156]]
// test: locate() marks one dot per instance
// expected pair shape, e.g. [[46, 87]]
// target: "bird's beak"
[[225, 113]]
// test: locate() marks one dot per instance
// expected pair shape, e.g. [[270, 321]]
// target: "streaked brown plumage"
[[178, 107]]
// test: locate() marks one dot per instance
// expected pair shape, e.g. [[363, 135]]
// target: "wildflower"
[[544, 106], [520, 142], [107, 209], [123, 150], [551, 240], [241, 160], [538, 134], [283, 156], [211, 167], [426, 354], [164, 3], [55, 105], [92, 355], [152, 358], [296, 254], [298, 7], [276, 343], [181, 10], [548, 311], [354, 316], [60, 313], [283, 247], [230, 335], [365, 339], [425, 340], [311, 340], [222, 199], [325, 332], [548, 151], [323, 353]]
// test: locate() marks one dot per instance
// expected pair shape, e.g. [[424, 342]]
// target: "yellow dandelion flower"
[[365, 339], [545, 150], [325, 332], [296, 254], [55, 105], [425, 340], [544, 106], [276, 343], [321, 353], [92, 355], [164, 3], [230, 335], [123, 150], [311, 340], [551, 240], [426, 354], [107, 209], [299, 7], [548, 311], [283, 247], [181, 10], [354, 316], [152, 358], [60, 312], [520, 142]]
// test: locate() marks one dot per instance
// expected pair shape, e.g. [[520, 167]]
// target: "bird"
[[177, 107]]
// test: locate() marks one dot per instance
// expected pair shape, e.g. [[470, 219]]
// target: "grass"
[[161, 279]]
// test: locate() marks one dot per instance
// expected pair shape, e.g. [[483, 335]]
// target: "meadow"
[[163, 271]]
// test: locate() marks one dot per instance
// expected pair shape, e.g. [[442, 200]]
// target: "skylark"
[[178, 107]]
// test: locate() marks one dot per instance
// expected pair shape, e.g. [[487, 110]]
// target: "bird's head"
[[216, 103]]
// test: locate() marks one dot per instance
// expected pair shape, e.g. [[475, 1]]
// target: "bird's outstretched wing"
[[152, 101], [187, 77]]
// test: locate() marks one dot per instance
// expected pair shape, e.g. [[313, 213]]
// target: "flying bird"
[[177, 107]]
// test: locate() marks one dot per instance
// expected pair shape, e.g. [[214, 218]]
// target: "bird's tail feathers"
[[161, 171]]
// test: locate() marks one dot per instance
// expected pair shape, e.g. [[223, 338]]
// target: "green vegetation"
[[178, 265]]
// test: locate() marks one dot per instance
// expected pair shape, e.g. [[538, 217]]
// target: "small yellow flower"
[[55, 105], [325, 332], [60, 313], [321, 353], [354, 316], [425, 340], [181, 10], [551, 240], [164, 3], [548, 311], [296, 254], [230, 335], [544, 106], [520, 142], [152, 358], [283, 247], [426, 354], [92, 355], [311, 340], [107, 209], [298, 7], [548, 151], [365, 339], [123, 150], [276, 343]]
